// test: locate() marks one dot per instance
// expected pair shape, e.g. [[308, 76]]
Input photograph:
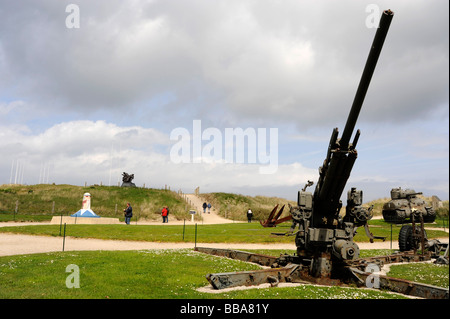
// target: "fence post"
[[195, 247], [60, 224], [391, 235], [16, 210], [64, 238]]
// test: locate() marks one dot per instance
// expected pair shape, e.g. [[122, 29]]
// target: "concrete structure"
[[56, 220]]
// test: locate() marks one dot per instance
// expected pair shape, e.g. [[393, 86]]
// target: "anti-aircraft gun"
[[326, 252], [323, 236]]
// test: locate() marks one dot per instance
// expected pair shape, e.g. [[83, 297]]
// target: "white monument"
[[85, 210]]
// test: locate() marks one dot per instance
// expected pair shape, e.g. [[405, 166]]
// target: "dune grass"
[[43, 201]]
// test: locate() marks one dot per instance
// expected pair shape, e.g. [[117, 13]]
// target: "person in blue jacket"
[[128, 213]]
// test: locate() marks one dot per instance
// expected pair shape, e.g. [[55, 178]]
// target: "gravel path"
[[17, 244], [208, 218]]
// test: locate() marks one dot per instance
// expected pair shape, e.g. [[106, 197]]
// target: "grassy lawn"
[[436, 275], [159, 274], [221, 233]]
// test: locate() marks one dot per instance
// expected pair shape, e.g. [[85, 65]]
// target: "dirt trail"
[[208, 218]]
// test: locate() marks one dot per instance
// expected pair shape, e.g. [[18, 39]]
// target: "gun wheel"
[[406, 240]]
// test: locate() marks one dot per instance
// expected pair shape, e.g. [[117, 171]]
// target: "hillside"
[[107, 201], [235, 206]]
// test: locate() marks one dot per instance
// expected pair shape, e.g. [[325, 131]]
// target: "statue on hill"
[[126, 179]]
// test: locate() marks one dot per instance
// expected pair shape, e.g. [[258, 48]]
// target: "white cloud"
[[86, 151]]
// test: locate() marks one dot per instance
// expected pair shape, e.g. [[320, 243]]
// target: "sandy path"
[[208, 218], [17, 244]]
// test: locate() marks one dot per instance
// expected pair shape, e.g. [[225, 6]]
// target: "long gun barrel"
[[371, 62], [341, 154]]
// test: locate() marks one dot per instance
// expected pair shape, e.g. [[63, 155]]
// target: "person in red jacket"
[[165, 214]]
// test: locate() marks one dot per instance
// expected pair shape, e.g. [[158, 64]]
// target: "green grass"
[[436, 275], [220, 233], [158, 274], [108, 274], [379, 227], [7, 217]]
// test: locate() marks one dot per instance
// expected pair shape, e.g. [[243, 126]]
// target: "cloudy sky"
[[84, 103]]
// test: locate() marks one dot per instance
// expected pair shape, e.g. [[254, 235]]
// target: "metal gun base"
[[293, 269]]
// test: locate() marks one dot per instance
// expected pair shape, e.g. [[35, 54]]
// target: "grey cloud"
[[284, 61]]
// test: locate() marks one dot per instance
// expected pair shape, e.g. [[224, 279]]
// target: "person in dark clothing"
[[128, 213], [204, 207], [249, 215]]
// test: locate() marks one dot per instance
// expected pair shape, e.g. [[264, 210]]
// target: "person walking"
[[164, 214], [249, 215], [128, 213], [204, 207], [209, 208]]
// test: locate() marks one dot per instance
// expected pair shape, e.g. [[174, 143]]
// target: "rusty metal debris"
[[272, 220]]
